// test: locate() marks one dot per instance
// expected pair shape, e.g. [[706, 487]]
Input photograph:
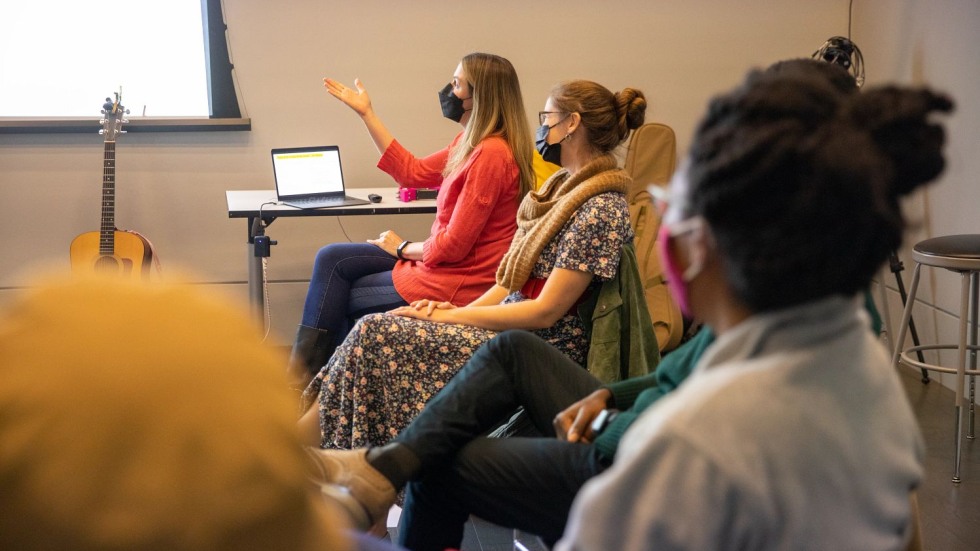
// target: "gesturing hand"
[[574, 423], [358, 99]]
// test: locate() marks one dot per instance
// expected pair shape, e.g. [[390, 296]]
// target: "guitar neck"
[[108, 228]]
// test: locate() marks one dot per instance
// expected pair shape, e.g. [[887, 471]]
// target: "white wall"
[[933, 44], [171, 186]]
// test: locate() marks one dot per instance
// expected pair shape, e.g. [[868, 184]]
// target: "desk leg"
[[256, 291], [256, 281]]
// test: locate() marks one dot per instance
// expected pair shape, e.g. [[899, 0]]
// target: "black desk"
[[251, 205]]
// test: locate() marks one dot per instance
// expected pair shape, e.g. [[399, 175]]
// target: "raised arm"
[[358, 100]]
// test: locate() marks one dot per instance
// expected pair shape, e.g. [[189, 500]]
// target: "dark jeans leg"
[[516, 368], [370, 294], [525, 483], [335, 268], [522, 482]]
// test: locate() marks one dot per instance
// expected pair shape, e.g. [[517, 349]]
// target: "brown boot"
[[350, 469], [312, 349]]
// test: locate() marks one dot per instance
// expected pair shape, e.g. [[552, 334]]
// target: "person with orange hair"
[[118, 429]]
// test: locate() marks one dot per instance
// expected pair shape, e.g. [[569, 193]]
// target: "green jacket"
[[622, 343], [633, 396]]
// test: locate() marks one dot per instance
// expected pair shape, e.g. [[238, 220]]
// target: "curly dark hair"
[[800, 177]]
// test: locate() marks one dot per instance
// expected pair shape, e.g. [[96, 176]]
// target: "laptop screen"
[[303, 171]]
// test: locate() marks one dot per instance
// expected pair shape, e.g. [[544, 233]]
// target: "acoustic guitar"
[[110, 251]]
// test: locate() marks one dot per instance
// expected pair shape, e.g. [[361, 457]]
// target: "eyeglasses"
[[685, 226], [661, 201], [661, 197], [543, 115]]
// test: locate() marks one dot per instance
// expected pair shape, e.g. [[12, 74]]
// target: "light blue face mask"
[[550, 152]]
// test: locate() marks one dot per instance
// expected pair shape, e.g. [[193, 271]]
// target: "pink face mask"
[[676, 285], [676, 280]]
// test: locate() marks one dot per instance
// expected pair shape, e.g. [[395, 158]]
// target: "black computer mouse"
[[374, 198]]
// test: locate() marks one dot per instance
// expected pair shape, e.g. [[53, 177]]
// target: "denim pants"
[[525, 483], [349, 280]]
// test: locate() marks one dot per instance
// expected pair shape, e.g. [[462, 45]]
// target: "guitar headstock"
[[113, 120]]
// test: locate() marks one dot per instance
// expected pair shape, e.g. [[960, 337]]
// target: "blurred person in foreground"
[[118, 429]]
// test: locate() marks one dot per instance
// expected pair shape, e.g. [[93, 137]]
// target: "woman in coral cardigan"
[[482, 176]]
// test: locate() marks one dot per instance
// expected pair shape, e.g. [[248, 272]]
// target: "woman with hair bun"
[[794, 419], [570, 234]]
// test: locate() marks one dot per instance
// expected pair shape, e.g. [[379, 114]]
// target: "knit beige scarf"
[[545, 212]]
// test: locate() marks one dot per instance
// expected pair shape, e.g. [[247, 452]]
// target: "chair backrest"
[[651, 155], [650, 159]]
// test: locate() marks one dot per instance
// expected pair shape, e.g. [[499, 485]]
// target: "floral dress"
[[390, 366]]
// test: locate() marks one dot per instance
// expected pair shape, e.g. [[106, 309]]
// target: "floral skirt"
[[387, 369]]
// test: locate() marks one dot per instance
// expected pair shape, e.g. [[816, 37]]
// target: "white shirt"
[[793, 433]]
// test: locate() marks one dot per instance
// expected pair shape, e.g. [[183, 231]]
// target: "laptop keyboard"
[[325, 201]]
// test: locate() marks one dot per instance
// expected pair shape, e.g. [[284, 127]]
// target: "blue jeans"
[[349, 280], [525, 483]]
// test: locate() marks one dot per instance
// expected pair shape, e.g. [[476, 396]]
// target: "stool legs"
[[906, 314], [969, 336], [966, 304], [970, 300], [974, 339]]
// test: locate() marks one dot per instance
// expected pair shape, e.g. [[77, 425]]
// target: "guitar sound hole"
[[106, 264]]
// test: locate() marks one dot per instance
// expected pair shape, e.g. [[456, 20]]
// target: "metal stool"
[[961, 254]]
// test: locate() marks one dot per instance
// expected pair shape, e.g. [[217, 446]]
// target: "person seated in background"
[[482, 175], [794, 419], [571, 234], [118, 429]]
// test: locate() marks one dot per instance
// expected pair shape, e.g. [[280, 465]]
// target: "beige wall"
[[171, 186]]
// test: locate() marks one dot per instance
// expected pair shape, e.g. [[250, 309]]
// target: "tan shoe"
[[340, 496], [350, 469]]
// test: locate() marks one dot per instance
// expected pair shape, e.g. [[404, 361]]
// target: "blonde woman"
[[481, 175]]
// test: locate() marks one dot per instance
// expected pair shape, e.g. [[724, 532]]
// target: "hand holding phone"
[[602, 421], [574, 423]]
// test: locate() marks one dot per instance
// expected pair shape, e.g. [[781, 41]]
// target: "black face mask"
[[452, 106], [550, 152]]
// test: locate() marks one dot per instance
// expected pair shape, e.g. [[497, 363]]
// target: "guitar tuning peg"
[[101, 131]]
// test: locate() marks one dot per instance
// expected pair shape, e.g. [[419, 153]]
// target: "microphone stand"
[[843, 52]]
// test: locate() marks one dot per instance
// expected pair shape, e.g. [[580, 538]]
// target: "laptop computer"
[[311, 177]]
